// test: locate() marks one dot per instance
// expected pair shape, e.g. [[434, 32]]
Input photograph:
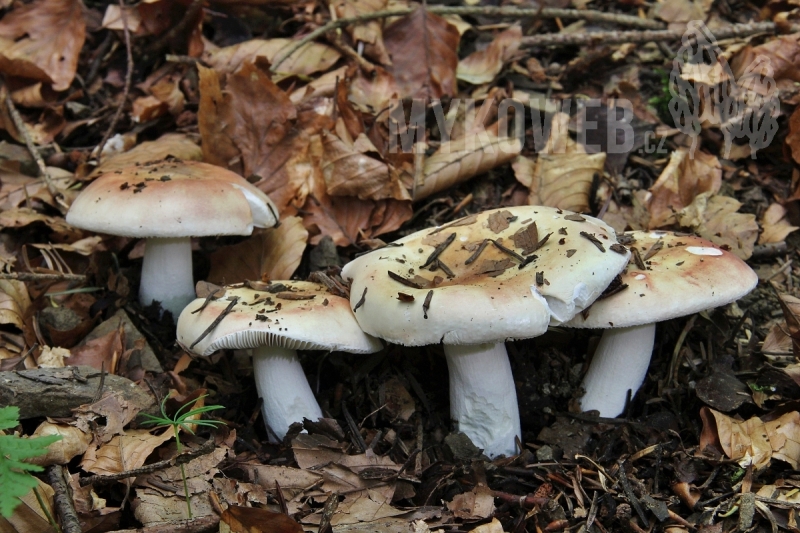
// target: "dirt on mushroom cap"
[[297, 315], [682, 274], [475, 280]]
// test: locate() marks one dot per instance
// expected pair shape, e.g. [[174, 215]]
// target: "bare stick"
[[62, 500], [22, 128], [126, 89], [33, 276], [570, 14], [641, 36]]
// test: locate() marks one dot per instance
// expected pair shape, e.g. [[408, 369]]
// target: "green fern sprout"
[[15, 479], [182, 420]]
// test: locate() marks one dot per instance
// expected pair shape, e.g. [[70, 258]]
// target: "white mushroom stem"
[[619, 364], [283, 388], [167, 274], [483, 398]]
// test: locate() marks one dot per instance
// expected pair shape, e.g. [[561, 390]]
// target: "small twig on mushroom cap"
[[216, 321]]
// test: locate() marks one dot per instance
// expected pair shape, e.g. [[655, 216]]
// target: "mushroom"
[[475, 283], [275, 321], [670, 275], [168, 202]]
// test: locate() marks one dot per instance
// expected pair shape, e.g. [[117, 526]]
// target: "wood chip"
[[637, 259], [574, 217], [499, 220], [508, 251], [427, 304], [216, 321], [295, 296], [616, 247], [403, 297], [405, 281], [362, 300], [570, 253], [477, 252], [466, 221], [594, 240], [439, 249], [658, 245], [527, 238], [494, 268]]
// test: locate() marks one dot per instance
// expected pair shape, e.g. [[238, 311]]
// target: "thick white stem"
[[619, 365], [167, 274], [283, 388], [483, 398]]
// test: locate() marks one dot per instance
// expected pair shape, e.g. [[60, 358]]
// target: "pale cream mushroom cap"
[[687, 274], [297, 315], [491, 299], [172, 198]]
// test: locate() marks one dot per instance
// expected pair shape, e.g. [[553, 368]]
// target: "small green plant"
[[660, 101], [182, 419], [15, 478]]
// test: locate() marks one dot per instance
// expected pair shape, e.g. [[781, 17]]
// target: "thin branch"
[[126, 89], [642, 36], [33, 276], [63, 500], [22, 128], [495, 11]]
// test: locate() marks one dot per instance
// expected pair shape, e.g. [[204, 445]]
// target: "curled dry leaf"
[[474, 505], [370, 32], [273, 253], [170, 144], [255, 520], [350, 172], [684, 177], [14, 302], [73, 443], [492, 527], [783, 54], [775, 227], [308, 59], [715, 218], [423, 50], [560, 180], [373, 93], [793, 138], [52, 357], [753, 441], [790, 306], [482, 66], [42, 41], [123, 452], [461, 159]]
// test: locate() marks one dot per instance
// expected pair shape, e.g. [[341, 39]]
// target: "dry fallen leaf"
[[459, 160], [474, 505], [14, 302], [715, 218], [29, 517], [754, 441], [368, 33], [423, 51], [51, 357], [73, 443], [170, 144], [685, 176], [42, 41], [308, 59], [236, 519], [775, 227], [492, 527], [123, 452], [790, 306], [482, 66], [273, 253], [398, 401], [561, 180]]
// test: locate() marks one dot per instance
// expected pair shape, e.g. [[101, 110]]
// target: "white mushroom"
[[276, 322], [168, 202], [670, 275], [472, 285]]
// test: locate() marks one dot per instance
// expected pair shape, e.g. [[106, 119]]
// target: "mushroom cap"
[[172, 198], [297, 315], [491, 298], [686, 275]]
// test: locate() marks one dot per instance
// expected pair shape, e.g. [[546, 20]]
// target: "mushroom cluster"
[[275, 321], [473, 284], [669, 275], [167, 202]]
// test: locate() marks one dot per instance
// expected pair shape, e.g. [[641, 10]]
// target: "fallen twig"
[[494, 11], [62, 500], [126, 89], [34, 276], [641, 36], [22, 128]]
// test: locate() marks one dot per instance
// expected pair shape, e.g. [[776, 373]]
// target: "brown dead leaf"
[[459, 160], [777, 342], [755, 441], [73, 443], [775, 227], [791, 315], [423, 50], [793, 138], [123, 452], [106, 417], [372, 93], [14, 302], [42, 41], [350, 172], [272, 253], [308, 59], [148, 108], [42, 129], [236, 519], [170, 144], [100, 352], [23, 216], [492, 527], [684, 177], [560, 180], [29, 517], [370, 33], [715, 218], [367, 506], [398, 401], [482, 66], [783, 54], [474, 505], [52, 357]]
